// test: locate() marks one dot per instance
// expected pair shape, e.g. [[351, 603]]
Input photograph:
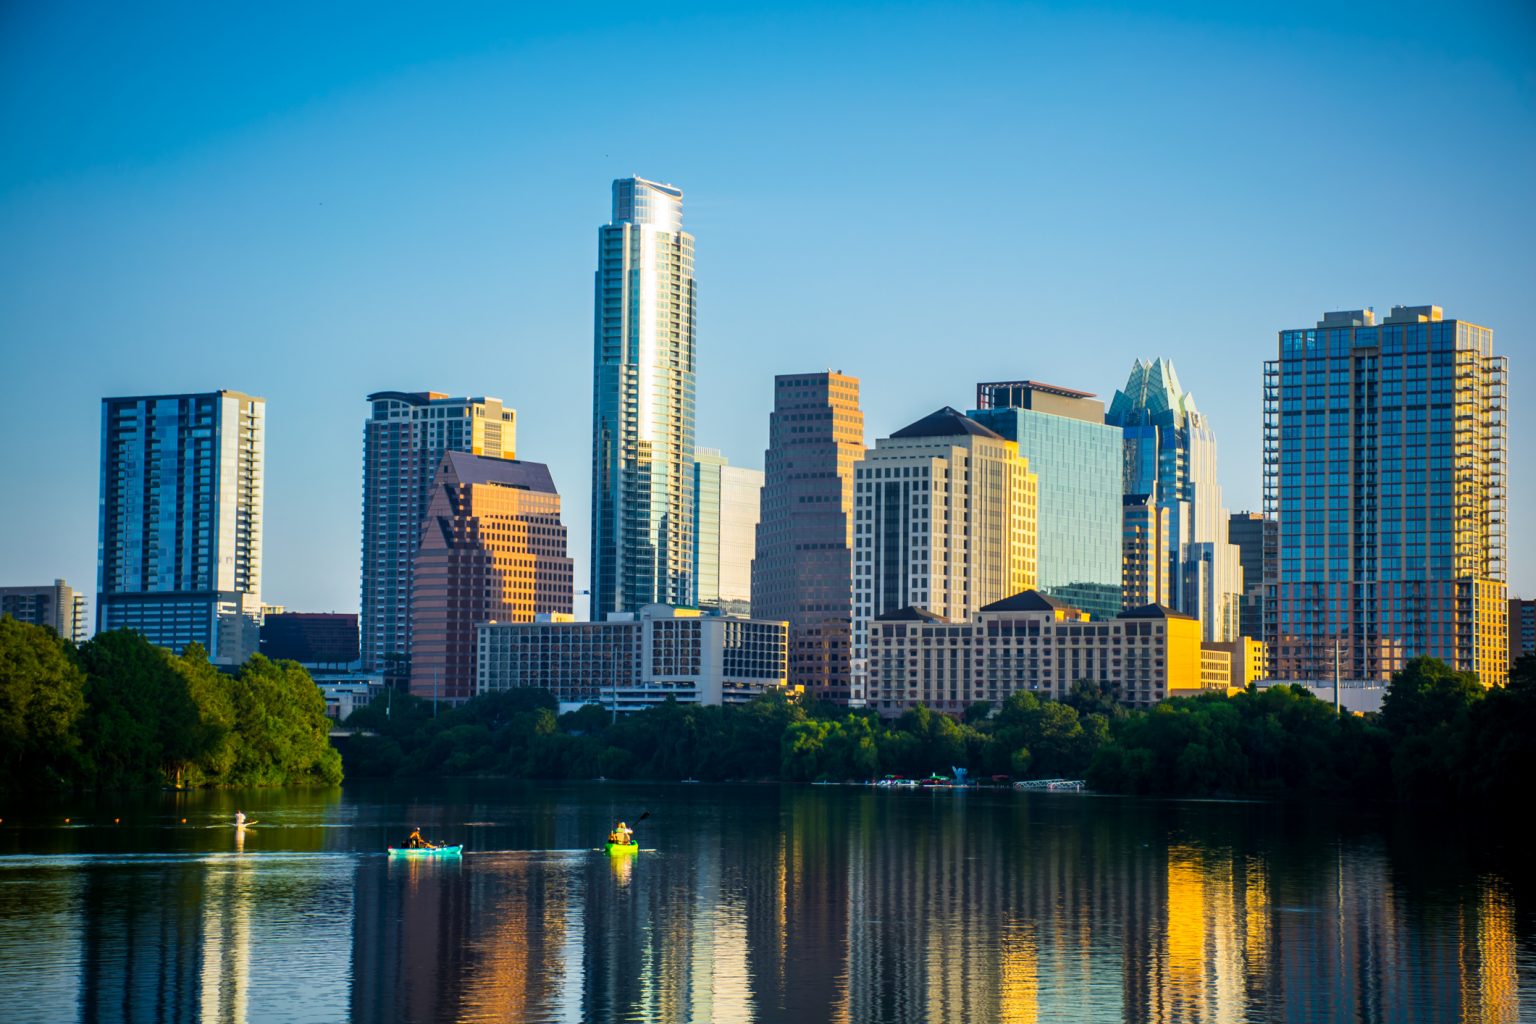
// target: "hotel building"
[[725, 532], [1384, 449], [179, 553], [945, 519], [1077, 459], [802, 569], [636, 660], [404, 439], [1035, 643], [493, 549], [643, 370]]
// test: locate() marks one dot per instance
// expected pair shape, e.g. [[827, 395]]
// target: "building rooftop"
[[1029, 601], [946, 422], [484, 469], [909, 614], [1153, 611]]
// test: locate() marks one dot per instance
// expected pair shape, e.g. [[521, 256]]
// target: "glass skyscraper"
[[1170, 454], [404, 439], [1077, 458], [179, 554], [1384, 462], [643, 368], [727, 500]]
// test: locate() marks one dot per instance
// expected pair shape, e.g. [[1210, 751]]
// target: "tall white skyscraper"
[[643, 369], [945, 518], [727, 501], [1170, 454], [179, 553]]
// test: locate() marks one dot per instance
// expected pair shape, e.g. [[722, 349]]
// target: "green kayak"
[[617, 848], [424, 851]]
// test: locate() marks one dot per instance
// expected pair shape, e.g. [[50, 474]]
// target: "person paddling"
[[416, 842], [622, 834], [239, 819]]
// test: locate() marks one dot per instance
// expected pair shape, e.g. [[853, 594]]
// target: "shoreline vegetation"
[[1440, 737], [116, 713]]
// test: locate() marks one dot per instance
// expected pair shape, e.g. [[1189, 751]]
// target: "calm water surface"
[[754, 904]]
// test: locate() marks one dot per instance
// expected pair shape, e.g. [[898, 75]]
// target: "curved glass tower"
[[642, 403], [1170, 455]]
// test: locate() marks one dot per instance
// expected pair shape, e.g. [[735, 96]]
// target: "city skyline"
[[93, 243]]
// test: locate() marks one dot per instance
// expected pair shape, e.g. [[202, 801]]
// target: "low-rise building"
[[635, 660], [1250, 660], [313, 639], [58, 606], [1029, 642]]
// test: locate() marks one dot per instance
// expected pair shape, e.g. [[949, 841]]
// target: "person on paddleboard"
[[239, 819]]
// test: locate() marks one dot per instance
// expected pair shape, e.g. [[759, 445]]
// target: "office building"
[[1257, 540], [493, 550], [1522, 628], [1033, 642], [404, 439], [945, 520], [1144, 561], [635, 660], [313, 639], [1384, 463], [1170, 454], [803, 564], [725, 518], [179, 524], [643, 403], [1077, 459], [58, 606]]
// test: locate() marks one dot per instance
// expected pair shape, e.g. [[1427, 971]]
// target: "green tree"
[[281, 726], [141, 725], [42, 697]]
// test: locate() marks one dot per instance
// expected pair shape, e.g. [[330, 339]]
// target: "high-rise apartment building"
[[802, 569], [1170, 454], [726, 505], [1077, 458], [493, 549], [643, 403], [944, 520], [179, 526], [1257, 539], [1144, 552], [404, 439], [58, 606], [1384, 463], [1522, 628]]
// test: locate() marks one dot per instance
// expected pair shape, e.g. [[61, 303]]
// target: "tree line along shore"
[[116, 712]]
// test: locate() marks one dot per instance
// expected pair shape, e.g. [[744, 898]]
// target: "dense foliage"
[[117, 712], [1440, 735]]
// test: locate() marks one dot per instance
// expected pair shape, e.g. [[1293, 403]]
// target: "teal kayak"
[[424, 851]]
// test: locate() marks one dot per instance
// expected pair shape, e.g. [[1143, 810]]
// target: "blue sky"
[[313, 202]]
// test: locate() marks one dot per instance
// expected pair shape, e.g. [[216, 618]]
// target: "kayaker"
[[622, 834], [416, 842]]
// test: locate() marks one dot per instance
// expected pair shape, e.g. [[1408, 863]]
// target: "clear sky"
[[312, 202]]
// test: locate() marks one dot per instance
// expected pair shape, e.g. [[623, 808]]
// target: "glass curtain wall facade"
[[179, 553], [404, 439], [726, 503], [1077, 458], [1385, 467], [801, 570], [1255, 537], [1170, 454], [643, 403]]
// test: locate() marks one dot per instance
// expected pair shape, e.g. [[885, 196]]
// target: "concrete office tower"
[[1077, 458], [642, 403], [492, 550], [404, 440], [945, 520], [725, 518], [1384, 462], [1170, 453], [58, 606], [1144, 552], [179, 554], [803, 565], [1256, 538]]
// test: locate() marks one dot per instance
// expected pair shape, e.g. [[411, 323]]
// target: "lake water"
[[748, 903]]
